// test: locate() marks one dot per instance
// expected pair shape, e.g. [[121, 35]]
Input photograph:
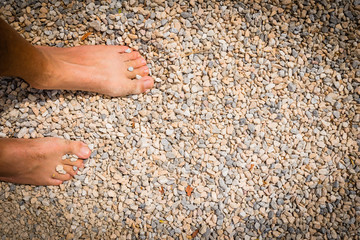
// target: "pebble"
[[96, 25], [225, 172], [130, 69], [60, 169], [291, 87], [22, 132], [169, 132], [185, 14]]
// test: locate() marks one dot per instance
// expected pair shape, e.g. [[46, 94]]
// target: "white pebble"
[[59, 168]]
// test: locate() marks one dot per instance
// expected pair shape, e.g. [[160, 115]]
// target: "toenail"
[[128, 50], [53, 175], [148, 84], [138, 77], [84, 151], [130, 69]]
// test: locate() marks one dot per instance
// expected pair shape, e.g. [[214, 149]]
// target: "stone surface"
[[255, 107]]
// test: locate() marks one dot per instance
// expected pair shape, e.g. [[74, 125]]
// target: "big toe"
[[137, 86], [143, 84], [79, 149]]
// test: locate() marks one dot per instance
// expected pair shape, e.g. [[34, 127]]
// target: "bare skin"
[[33, 161], [101, 69]]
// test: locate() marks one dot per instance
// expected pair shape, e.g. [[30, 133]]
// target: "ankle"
[[6, 148], [40, 73]]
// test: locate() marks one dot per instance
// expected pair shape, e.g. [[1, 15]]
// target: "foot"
[[34, 161], [102, 69]]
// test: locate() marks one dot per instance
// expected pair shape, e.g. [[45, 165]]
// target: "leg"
[[18, 57], [33, 161], [102, 69]]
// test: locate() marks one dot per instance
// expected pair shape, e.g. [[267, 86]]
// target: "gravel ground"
[[251, 131]]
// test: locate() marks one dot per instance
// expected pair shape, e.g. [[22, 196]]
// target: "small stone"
[[242, 214], [323, 171], [291, 87], [222, 184], [96, 25], [59, 168], [321, 144], [130, 69], [43, 10], [331, 98], [163, 180], [169, 218], [251, 128], [269, 86], [185, 14], [225, 172], [138, 77], [169, 132], [170, 155], [22, 132], [111, 193]]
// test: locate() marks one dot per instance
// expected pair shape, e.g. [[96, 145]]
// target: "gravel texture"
[[251, 131]]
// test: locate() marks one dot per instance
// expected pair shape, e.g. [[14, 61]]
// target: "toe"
[[78, 163], [141, 85], [148, 82], [139, 62], [141, 71], [77, 148], [61, 177], [54, 182], [122, 49], [131, 56], [70, 170]]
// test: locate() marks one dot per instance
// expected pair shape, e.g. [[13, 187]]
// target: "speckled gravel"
[[255, 114]]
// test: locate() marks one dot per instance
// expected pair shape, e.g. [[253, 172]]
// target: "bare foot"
[[33, 161], [102, 69]]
